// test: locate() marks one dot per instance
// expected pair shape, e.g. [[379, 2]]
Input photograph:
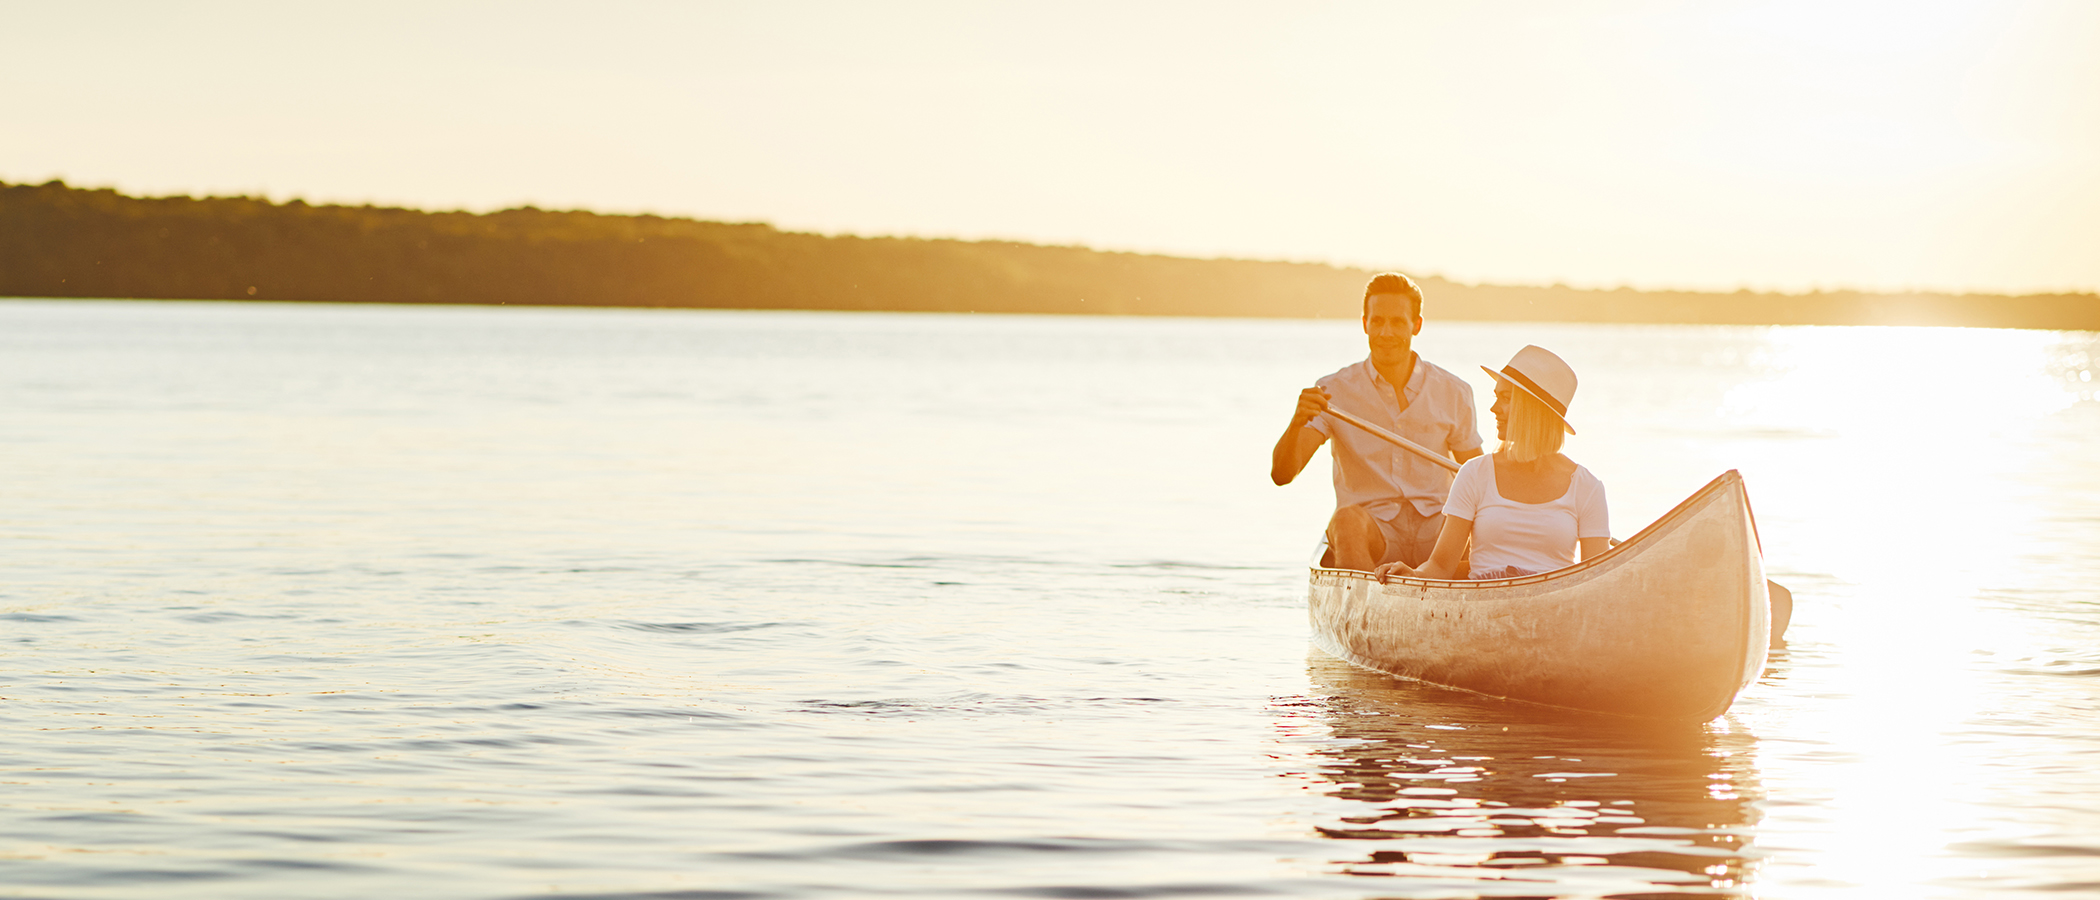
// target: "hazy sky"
[[1951, 145]]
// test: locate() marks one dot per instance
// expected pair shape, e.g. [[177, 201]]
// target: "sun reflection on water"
[[1919, 503]]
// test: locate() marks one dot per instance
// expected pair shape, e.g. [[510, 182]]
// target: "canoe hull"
[[1671, 624]]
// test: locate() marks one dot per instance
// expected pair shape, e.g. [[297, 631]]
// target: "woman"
[[1526, 507]]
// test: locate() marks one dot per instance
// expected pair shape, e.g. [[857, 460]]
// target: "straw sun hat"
[[1536, 371]]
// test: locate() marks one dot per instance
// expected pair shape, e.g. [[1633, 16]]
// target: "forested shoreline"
[[61, 241]]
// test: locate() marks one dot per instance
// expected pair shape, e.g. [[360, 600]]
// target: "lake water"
[[324, 601]]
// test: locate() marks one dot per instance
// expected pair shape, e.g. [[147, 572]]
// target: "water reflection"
[[1468, 796]]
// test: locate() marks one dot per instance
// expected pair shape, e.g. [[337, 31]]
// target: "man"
[[1388, 502]]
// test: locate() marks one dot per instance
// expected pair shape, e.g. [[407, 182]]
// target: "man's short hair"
[[1393, 283]]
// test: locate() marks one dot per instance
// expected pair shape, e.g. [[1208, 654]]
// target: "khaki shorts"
[[1409, 535]]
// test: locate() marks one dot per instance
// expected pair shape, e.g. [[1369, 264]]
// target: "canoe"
[[1669, 624]]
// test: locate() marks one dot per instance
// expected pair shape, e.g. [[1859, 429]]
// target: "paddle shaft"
[[1396, 440]]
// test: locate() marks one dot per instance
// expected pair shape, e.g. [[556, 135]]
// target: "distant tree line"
[[61, 241]]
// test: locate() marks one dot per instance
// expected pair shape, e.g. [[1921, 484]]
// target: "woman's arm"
[[1443, 561], [1593, 518]]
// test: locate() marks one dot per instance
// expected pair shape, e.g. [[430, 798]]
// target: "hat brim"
[[1543, 402]]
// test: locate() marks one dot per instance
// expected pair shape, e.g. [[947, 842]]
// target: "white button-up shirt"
[[1368, 472]]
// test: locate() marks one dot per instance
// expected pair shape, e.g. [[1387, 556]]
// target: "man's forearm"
[[1289, 457]]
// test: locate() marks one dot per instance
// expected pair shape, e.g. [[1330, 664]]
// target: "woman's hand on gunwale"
[[1389, 569]]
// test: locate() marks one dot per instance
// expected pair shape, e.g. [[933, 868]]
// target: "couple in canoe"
[[1523, 509]]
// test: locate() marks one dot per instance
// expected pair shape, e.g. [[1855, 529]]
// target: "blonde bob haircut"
[[1534, 431]]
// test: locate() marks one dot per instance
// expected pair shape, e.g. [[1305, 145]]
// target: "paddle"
[[1782, 600], [1395, 440]]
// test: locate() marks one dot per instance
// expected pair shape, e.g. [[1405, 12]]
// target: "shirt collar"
[[1415, 378]]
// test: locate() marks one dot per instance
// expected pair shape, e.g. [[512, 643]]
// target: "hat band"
[[1559, 408]]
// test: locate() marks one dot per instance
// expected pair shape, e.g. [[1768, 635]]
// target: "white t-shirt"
[[1535, 537]]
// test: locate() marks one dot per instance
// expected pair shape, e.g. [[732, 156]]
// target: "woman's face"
[[1501, 411]]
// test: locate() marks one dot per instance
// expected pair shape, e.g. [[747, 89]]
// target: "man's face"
[[1389, 321]]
